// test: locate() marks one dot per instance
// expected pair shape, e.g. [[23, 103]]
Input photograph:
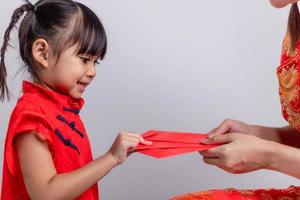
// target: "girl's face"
[[71, 73]]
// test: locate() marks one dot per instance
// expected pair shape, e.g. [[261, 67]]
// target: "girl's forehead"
[[73, 51]]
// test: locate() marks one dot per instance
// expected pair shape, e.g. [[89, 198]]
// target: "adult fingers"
[[223, 128], [218, 139]]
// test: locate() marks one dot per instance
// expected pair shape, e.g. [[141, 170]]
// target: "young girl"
[[251, 147], [47, 152]]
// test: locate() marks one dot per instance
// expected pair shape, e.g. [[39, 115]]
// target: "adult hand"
[[230, 125], [240, 153]]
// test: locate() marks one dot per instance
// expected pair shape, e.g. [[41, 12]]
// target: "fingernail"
[[210, 134], [205, 141]]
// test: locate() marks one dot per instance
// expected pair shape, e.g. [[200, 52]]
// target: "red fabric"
[[37, 110], [291, 193], [167, 143], [289, 86]]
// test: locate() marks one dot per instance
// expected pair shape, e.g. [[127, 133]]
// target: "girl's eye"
[[85, 60]]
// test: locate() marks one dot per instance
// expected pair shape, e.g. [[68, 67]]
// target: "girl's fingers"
[[137, 138], [128, 137], [143, 141], [131, 142], [130, 150], [129, 133]]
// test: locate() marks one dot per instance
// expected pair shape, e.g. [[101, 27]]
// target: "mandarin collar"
[[52, 95]]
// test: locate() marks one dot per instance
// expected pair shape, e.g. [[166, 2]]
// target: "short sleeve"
[[25, 122]]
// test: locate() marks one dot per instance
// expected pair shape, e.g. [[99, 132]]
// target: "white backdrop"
[[175, 65]]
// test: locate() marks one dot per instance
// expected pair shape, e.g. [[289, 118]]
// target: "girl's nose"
[[91, 72]]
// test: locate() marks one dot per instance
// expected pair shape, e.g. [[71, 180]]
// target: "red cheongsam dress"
[[56, 117]]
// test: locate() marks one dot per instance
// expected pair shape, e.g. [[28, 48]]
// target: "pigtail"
[[4, 91], [294, 26]]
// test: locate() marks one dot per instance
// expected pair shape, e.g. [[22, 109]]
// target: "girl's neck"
[[41, 83]]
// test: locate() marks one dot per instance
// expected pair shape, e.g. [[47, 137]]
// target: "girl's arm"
[[42, 180], [281, 3]]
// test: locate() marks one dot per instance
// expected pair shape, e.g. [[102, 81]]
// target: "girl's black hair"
[[62, 23]]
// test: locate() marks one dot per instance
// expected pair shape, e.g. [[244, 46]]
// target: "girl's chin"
[[76, 93]]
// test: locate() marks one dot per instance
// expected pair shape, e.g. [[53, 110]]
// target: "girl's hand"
[[240, 153], [230, 125], [124, 144]]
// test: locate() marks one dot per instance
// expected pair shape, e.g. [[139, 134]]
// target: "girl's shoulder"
[[29, 109], [27, 103]]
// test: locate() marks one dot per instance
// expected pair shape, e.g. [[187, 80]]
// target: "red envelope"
[[171, 136], [167, 143]]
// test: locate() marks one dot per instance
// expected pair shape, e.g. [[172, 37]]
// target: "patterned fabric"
[[289, 85], [289, 91], [56, 118], [291, 193]]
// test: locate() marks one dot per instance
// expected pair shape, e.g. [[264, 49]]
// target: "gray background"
[[176, 65]]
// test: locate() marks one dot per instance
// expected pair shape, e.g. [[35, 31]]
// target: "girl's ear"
[[40, 52]]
